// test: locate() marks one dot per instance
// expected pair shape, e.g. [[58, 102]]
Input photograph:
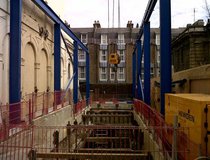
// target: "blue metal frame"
[[134, 75], [147, 62], [75, 70], [47, 10], [15, 58], [147, 15], [139, 59], [165, 50], [87, 78], [66, 46], [57, 57]]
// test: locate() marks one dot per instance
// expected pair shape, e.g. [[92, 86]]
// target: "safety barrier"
[[80, 142], [31, 107], [164, 138], [111, 97], [79, 107]]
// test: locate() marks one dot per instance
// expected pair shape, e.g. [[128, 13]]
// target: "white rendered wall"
[[37, 59], [4, 50]]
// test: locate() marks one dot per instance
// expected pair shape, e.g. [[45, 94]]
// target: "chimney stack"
[[96, 24], [129, 24]]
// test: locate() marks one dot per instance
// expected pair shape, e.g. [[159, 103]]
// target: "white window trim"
[[111, 74], [118, 51], [121, 39], [101, 52], [85, 38], [79, 74], [104, 39], [100, 73], [83, 52], [118, 75]]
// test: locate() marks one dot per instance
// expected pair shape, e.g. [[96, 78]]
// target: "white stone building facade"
[[37, 51]]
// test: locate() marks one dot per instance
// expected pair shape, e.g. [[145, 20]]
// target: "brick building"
[[103, 41]]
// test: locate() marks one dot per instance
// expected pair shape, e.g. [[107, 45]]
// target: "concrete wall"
[[149, 140], [37, 59], [60, 117]]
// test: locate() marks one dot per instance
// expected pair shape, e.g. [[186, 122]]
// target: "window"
[[112, 74], [121, 74], [81, 73], [103, 74], [122, 55], [81, 55], [158, 56], [151, 70], [103, 55], [103, 39], [121, 38], [157, 39], [84, 38]]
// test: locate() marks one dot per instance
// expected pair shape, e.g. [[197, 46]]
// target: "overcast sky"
[[83, 13]]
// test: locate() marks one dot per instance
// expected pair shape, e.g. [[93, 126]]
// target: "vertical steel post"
[[147, 62], [139, 58], [87, 78], [165, 50], [57, 55], [174, 142], [15, 59], [57, 63], [75, 70], [134, 75]]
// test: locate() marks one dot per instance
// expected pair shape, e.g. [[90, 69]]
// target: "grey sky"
[[82, 13]]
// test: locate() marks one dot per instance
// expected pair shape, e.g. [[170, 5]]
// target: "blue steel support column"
[[147, 63], [165, 50], [57, 55], [134, 75], [139, 58], [75, 70], [57, 63], [15, 59], [87, 78]]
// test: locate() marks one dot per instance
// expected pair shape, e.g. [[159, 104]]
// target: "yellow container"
[[190, 109]]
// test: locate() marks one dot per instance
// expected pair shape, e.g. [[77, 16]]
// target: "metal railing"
[[164, 136], [81, 142], [31, 107]]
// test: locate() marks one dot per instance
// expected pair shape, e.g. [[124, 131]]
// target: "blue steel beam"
[[75, 70], [147, 62], [15, 59], [134, 75], [139, 59], [147, 15], [47, 10], [57, 57], [87, 78], [67, 49], [165, 50]]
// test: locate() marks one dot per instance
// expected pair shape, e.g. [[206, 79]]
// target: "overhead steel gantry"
[[15, 54], [165, 54]]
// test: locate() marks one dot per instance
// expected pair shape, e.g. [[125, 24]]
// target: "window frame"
[[103, 53], [104, 39], [103, 73], [82, 38], [119, 73], [80, 73]]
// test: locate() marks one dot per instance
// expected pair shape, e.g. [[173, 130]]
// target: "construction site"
[[49, 109]]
